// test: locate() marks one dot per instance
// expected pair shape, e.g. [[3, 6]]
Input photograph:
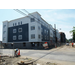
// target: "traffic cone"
[[19, 53]]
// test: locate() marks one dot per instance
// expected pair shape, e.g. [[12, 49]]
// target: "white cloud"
[[53, 17], [68, 35]]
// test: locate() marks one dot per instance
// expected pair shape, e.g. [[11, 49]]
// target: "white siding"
[[5, 35], [25, 20]]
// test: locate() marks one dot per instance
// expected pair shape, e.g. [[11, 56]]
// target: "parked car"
[[67, 44]]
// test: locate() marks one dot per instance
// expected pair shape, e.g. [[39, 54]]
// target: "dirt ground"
[[26, 60], [9, 60]]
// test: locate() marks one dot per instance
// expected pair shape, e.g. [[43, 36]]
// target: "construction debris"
[[10, 60], [25, 63]]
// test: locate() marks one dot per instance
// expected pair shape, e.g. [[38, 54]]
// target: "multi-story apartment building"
[[27, 32]]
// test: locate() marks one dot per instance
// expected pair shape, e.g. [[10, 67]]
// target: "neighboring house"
[[62, 37]]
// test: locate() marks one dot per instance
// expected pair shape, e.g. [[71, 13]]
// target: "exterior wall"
[[58, 36], [37, 24], [25, 23], [24, 33], [45, 35], [62, 37], [5, 32]]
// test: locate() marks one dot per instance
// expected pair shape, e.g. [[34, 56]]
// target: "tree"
[[73, 33]]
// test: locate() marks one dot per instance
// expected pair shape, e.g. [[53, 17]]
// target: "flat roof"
[[18, 18]]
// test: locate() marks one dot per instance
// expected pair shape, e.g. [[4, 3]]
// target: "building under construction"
[[30, 31]]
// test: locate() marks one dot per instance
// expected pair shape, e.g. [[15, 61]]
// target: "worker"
[[16, 52], [72, 44]]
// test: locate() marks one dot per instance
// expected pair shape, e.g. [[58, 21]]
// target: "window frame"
[[4, 32], [32, 35], [47, 31], [15, 24], [32, 19], [19, 31], [32, 28], [18, 23], [19, 37], [4, 26], [21, 22], [14, 30], [39, 27], [4, 38], [39, 36], [15, 37], [44, 30]]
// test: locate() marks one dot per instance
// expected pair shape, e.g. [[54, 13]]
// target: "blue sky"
[[63, 18]]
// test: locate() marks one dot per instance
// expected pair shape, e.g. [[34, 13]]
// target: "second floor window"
[[14, 30], [20, 30], [32, 27], [32, 19], [14, 37], [4, 26], [33, 36]]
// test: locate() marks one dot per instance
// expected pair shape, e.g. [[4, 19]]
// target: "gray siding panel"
[[24, 33], [45, 34]]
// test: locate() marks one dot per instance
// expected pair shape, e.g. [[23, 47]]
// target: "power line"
[[33, 16], [19, 11], [36, 19]]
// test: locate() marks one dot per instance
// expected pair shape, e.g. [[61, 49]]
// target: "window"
[[39, 36], [20, 30], [32, 27], [15, 24], [18, 23], [45, 31], [4, 26], [38, 20], [32, 36], [20, 37], [39, 27], [3, 38], [14, 37], [32, 19], [21, 22], [14, 30], [4, 32]]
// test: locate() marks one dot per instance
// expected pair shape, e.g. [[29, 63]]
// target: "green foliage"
[[73, 33]]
